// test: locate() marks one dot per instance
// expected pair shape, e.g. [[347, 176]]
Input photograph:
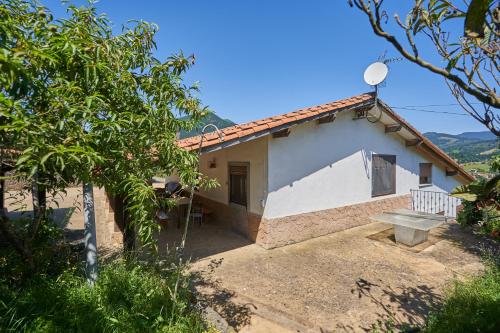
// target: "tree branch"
[[374, 19]]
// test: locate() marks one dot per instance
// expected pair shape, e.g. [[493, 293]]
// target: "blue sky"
[[265, 57]]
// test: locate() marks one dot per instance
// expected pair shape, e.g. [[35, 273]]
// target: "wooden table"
[[410, 227]]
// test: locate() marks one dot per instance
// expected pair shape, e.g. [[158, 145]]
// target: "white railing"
[[434, 202]]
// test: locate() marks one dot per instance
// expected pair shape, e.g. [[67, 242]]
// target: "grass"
[[128, 297], [479, 166], [470, 306]]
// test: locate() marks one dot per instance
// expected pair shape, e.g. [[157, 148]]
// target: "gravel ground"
[[346, 281]]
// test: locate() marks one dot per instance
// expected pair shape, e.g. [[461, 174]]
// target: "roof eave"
[[427, 143], [253, 136]]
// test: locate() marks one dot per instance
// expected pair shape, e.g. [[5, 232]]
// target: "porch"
[[202, 240]]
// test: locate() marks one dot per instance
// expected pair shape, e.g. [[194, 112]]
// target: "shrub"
[[470, 306], [469, 215], [492, 227], [128, 297], [51, 255], [488, 218]]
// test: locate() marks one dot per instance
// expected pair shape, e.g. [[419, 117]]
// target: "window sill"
[[424, 185], [382, 195], [235, 204]]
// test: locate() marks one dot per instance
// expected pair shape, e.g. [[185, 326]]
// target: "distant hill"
[[211, 118], [468, 146], [484, 135]]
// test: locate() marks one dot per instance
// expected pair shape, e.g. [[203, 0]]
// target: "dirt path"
[[347, 281]]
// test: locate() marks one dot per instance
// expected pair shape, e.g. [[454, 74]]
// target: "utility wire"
[[429, 105], [429, 111]]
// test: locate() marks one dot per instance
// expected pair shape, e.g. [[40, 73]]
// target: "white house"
[[319, 170]]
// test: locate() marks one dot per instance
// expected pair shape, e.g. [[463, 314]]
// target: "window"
[[425, 173], [383, 174], [238, 184]]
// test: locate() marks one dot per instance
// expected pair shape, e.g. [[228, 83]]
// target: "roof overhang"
[[365, 103], [263, 133]]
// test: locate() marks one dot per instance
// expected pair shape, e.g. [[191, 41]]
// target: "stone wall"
[[70, 203], [108, 231], [271, 233], [292, 229]]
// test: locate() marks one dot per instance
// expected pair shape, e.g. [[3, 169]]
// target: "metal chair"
[[197, 214]]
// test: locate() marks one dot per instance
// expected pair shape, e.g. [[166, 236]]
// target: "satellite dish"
[[376, 73]]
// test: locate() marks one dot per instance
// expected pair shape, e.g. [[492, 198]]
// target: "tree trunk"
[[90, 234], [2, 192], [34, 197], [39, 197]]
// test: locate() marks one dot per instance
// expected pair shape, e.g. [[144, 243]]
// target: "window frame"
[[247, 183], [393, 168], [420, 174]]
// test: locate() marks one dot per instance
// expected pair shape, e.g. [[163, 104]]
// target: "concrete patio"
[[346, 281], [202, 241]]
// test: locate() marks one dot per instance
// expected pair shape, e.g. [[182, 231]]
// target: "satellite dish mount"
[[374, 75]]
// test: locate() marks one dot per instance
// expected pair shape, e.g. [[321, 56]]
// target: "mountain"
[[211, 118], [484, 135], [468, 146]]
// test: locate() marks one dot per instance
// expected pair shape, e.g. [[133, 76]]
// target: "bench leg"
[[410, 236]]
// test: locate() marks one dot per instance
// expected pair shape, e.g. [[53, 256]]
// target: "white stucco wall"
[[252, 152], [323, 166]]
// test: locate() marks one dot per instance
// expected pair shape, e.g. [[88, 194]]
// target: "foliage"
[[483, 192], [470, 57], [481, 204], [495, 163], [470, 306], [50, 254], [482, 167], [128, 297], [469, 215], [81, 104]]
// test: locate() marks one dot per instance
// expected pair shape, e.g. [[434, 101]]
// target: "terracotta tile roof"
[[270, 123], [427, 144]]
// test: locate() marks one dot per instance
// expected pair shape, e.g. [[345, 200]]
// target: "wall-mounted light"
[[212, 164]]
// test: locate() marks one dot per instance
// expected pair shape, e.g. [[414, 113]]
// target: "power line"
[[430, 105], [429, 111]]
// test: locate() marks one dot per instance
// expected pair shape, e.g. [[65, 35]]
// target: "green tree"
[[471, 57], [83, 105]]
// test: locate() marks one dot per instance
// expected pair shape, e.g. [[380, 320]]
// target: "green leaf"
[[475, 18], [452, 63], [463, 192], [22, 159], [45, 158]]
